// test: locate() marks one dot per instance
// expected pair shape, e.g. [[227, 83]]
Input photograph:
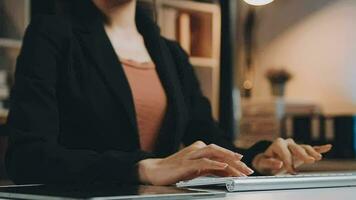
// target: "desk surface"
[[346, 193], [341, 193]]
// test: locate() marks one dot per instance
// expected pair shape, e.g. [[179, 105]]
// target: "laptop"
[[103, 192], [280, 182]]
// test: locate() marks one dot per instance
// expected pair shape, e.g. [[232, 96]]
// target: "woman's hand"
[[284, 154], [193, 161]]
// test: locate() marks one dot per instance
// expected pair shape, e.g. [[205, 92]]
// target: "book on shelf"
[[194, 25], [184, 32], [169, 23], [345, 136], [261, 119], [339, 130]]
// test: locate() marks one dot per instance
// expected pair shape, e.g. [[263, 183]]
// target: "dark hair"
[[87, 8], [76, 7], [148, 8]]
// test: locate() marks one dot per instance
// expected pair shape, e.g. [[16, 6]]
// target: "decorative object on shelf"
[[278, 79], [249, 45]]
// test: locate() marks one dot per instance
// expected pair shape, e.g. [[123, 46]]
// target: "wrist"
[[145, 169]]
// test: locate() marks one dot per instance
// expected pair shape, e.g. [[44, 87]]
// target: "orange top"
[[149, 99]]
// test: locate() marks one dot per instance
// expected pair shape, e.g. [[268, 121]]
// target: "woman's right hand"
[[193, 161]]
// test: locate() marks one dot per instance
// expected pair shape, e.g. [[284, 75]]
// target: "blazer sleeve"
[[201, 124], [34, 154]]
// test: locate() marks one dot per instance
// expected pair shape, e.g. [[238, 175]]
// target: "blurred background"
[[270, 68]]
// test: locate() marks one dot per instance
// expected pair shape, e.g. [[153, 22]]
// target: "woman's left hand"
[[282, 154]]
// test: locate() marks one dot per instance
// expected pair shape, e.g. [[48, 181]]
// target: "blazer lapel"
[[109, 67], [173, 127]]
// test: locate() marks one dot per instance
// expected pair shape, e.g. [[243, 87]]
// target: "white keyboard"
[[255, 183]]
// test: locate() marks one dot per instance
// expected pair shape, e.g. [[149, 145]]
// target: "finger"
[[237, 169], [241, 167], [214, 151], [204, 165], [191, 148], [281, 149], [312, 152], [323, 148], [300, 153], [196, 145], [193, 169], [234, 172], [270, 164], [238, 165]]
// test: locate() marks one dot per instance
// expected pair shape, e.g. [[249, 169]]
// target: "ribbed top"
[[149, 99]]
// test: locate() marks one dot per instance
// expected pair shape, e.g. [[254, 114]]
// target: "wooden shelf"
[[204, 62], [4, 112], [14, 18], [10, 43], [3, 115], [190, 5], [197, 27]]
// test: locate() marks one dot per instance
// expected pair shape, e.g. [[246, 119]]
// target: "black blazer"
[[72, 117]]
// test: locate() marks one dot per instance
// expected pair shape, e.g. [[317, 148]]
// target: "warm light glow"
[[248, 84], [258, 2]]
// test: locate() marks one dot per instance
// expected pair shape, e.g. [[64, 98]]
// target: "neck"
[[119, 14]]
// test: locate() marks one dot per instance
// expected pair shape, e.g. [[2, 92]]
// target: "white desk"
[[325, 166], [346, 193]]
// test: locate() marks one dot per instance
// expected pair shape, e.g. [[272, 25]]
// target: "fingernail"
[[279, 165], [239, 156], [250, 171]]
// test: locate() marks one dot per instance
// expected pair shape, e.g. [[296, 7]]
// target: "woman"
[[101, 96]]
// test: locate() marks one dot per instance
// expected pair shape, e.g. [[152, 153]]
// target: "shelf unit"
[[201, 24], [14, 18], [197, 27], [10, 43]]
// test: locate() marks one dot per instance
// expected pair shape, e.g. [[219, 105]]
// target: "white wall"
[[316, 41]]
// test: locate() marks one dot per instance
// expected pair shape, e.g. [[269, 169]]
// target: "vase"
[[278, 89]]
